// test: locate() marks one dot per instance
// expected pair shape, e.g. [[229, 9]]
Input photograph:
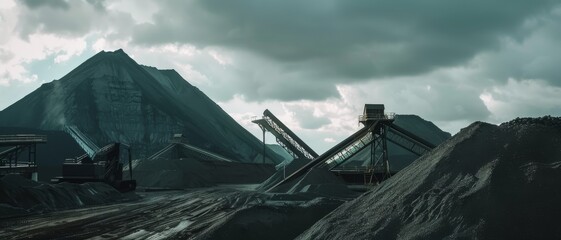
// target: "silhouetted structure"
[[14, 145], [378, 129], [284, 136]]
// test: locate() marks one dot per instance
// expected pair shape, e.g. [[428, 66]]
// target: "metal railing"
[[408, 141], [374, 117], [352, 149], [22, 138], [288, 138], [363, 169], [84, 141]]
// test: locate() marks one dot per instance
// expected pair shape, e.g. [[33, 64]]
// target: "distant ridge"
[[110, 98]]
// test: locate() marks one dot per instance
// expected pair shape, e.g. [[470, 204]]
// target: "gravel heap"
[[172, 173], [284, 170], [317, 182], [190, 172], [19, 195], [531, 122], [486, 182]]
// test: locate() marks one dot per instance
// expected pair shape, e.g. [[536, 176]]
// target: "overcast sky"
[[312, 63]]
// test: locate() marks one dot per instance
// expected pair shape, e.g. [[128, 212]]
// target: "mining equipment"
[[106, 165], [377, 131], [12, 146]]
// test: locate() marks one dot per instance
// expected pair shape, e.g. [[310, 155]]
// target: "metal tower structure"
[[377, 131], [13, 146], [284, 136]]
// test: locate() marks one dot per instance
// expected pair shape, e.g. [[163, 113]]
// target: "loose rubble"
[[487, 182]]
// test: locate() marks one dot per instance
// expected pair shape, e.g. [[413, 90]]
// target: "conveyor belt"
[[408, 140], [285, 137], [201, 153], [332, 154], [84, 141], [21, 139], [358, 141]]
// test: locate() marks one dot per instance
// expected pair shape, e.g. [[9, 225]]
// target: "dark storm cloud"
[[534, 57], [63, 4], [75, 20], [350, 40], [70, 18]]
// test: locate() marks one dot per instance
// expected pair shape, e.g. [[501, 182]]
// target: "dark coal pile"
[[317, 182], [283, 220], [181, 173], [172, 173], [284, 169], [111, 98], [19, 196], [239, 172], [487, 182], [281, 152]]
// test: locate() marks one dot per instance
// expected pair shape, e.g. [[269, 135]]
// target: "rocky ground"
[[20, 196], [487, 182], [211, 213]]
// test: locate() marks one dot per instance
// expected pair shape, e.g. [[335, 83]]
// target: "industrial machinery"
[[284, 136], [105, 166], [12, 146], [377, 131]]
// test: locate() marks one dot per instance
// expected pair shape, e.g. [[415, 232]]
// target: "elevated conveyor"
[[83, 140], [378, 128], [285, 137], [21, 139], [191, 150], [14, 144], [337, 154], [11, 146], [408, 140]]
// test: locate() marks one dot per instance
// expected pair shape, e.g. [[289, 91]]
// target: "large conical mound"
[[112, 98], [487, 182]]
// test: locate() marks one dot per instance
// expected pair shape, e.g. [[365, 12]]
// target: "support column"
[[372, 152], [264, 145], [385, 151], [130, 162], [33, 154], [16, 157]]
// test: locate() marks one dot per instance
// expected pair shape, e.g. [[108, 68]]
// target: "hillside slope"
[[111, 98], [486, 182]]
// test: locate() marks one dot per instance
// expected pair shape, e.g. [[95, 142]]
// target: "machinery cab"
[[106, 165]]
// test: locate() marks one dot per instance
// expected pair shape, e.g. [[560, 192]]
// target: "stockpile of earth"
[[191, 172], [284, 169], [20, 196], [172, 173], [316, 182], [487, 182], [112, 98], [270, 219]]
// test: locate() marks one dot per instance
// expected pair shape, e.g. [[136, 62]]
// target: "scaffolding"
[[12, 147], [377, 131]]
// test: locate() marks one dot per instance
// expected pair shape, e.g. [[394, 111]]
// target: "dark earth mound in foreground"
[[486, 182], [20, 196], [181, 173]]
